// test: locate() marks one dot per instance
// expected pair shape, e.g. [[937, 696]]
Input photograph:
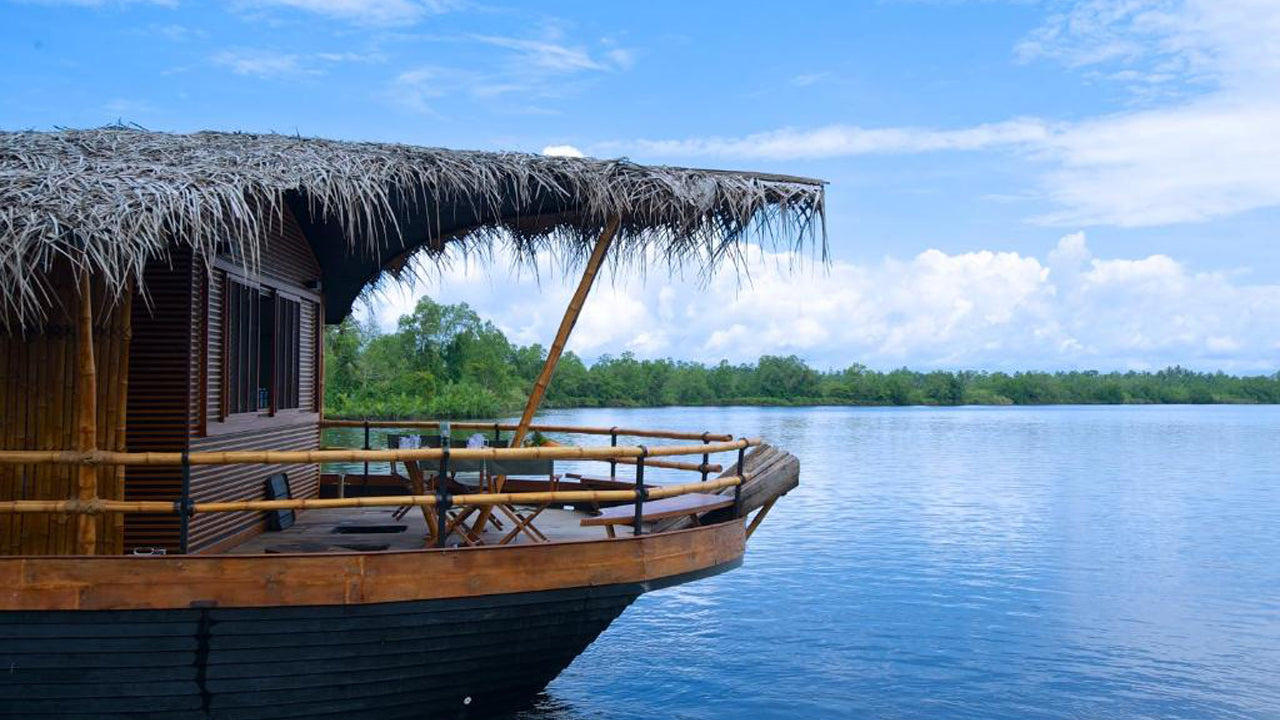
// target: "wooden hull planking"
[[215, 641]]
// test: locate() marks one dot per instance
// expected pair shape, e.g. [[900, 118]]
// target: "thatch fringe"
[[110, 200]]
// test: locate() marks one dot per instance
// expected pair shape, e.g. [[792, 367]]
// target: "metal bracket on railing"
[[706, 458], [497, 435], [443, 498], [742, 477], [365, 479], [184, 507], [641, 493], [613, 442]]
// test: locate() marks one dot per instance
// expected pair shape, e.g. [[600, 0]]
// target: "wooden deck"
[[348, 529]]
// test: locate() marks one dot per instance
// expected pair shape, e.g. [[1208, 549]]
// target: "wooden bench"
[[691, 505], [595, 483]]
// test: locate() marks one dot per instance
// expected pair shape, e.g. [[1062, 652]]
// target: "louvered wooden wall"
[[288, 263], [37, 412], [180, 350], [160, 369], [245, 482]]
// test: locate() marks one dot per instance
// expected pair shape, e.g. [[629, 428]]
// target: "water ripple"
[[985, 563]]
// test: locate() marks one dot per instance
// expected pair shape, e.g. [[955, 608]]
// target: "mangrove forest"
[[446, 361]]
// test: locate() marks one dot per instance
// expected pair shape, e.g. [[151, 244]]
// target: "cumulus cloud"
[[1208, 150], [981, 309], [562, 151]]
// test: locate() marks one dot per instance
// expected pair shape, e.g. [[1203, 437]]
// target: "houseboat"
[[170, 546]]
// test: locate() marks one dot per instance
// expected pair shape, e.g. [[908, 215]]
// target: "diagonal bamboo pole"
[[86, 420], [570, 319]]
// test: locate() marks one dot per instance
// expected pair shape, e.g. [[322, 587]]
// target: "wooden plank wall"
[[211, 483], [308, 363], [160, 371], [286, 254], [37, 412], [173, 370], [287, 262]]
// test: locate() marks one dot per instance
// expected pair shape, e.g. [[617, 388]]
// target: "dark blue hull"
[[424, 659]]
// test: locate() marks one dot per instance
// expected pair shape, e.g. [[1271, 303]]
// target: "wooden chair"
[[693, 505], [522, 523], [421, 481]]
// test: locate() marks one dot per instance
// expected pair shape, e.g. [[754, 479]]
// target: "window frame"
[[231, 275]]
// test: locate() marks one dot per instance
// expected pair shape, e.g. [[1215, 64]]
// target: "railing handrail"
[[708, 467], [575, 429], [94, 507], [300, 457]]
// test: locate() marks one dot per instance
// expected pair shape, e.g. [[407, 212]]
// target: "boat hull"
[[443, 657]]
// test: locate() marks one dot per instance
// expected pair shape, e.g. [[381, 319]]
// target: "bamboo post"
[[759, 518], [570, 319], [86, 420], [566, 327]]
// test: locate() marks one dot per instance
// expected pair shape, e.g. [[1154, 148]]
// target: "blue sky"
[[1012, 184]]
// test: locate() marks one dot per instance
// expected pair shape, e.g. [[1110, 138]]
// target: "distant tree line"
[[447, 361]]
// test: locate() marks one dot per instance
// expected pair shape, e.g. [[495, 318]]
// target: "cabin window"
[[288, 344], [263, 344]]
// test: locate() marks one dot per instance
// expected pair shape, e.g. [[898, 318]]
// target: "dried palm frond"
[[108, 201]]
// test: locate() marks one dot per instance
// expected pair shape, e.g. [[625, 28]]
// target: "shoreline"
[[787, 404]]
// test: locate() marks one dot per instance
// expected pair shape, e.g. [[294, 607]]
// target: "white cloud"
[[1210, 158], [175, 32], [261, 63], [416, 89], [102, 3], [808, 79], [1210, 150], [275, 64], [1212, 155], [562, 151], [844, 140], [977, 309], [622, 58], [550, 56], [363, 12], [124, 108], [544, 68]]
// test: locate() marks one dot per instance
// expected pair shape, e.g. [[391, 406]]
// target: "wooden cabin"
[[214, 358], [162, 299], [214, 260]]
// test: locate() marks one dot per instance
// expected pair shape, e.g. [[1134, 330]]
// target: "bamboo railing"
[[574, 429], [299, 457], [615, 432], [88, 506], [468, 500]]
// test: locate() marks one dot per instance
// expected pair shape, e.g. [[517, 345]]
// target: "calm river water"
[[1021, 563]]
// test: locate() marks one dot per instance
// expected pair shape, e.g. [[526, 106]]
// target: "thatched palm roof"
[[110, 200]]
